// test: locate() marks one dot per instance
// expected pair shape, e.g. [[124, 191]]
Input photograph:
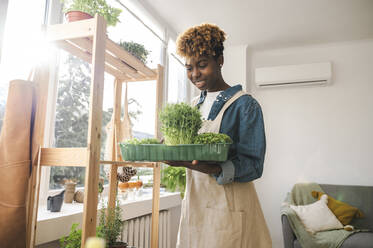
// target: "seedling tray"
[[161, 152]]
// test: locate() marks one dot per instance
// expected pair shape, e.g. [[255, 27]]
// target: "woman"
[[221, 207]]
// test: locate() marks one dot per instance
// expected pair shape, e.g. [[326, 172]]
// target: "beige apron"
[[221, 216]]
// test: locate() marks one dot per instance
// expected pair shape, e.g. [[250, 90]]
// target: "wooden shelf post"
[[94, 131], [113, 180]]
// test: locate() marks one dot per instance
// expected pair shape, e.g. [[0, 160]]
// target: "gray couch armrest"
[[287, 232]]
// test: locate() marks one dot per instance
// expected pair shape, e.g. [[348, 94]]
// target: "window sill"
[[52, 226]]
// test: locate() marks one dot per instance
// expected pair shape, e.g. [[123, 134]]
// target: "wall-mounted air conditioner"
[[305, 74]]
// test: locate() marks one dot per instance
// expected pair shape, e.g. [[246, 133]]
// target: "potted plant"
[[110, 226], [136, 49], [76, 10], [74, 239]]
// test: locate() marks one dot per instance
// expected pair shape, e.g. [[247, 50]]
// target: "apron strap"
[[219, 117]]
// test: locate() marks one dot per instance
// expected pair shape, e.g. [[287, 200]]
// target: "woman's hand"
[[201, 166]]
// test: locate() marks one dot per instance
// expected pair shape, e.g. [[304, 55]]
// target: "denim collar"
[[224, 96]]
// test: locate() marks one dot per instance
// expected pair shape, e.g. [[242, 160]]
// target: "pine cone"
[[126, 174]]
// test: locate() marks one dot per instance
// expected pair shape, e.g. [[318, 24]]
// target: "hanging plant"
[[136, 49]]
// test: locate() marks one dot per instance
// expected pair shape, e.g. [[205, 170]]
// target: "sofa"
[[357, 196]]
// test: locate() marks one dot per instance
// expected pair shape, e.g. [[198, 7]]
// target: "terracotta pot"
[[75, 15]]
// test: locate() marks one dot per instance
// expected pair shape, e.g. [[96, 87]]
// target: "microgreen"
[[180, 123], [212, 138]]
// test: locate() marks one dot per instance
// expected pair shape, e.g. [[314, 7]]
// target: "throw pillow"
[[317, 216], [344, 212]]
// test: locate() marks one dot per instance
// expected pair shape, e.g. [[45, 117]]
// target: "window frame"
[[54, 16]]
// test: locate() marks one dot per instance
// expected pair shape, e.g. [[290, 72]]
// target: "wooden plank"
[[129, 58], [30, 232], [41, 79], [64, 157], [157, 169], [87, 57], [129, 163], [141, 79], [155, 205], [113, 179], [70, 30], [34, 212], [94, 131], [109, 59], [158, 100]]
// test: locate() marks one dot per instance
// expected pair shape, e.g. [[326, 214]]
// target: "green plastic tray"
[[161, 152]]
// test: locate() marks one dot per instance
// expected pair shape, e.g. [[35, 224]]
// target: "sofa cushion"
[[359, 240], [357, 196], [344, 212], [317, 216]]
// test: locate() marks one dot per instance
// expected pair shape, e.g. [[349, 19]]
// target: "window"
[[20, 41], [141, 95], [72, 113], [3, 12], [178, 89]]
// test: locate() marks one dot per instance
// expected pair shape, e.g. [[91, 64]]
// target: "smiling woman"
[[221, 207]]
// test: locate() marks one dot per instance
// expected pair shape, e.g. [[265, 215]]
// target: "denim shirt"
[[243, 122]]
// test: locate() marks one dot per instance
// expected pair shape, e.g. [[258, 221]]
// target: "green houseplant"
[[180, 123], [174, 178], [89, 9], [109, 228], [212, 138], [136, 49]]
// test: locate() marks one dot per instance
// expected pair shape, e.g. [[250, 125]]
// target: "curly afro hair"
[[203, 40]]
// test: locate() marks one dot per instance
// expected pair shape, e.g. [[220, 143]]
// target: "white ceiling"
[[272, 23]]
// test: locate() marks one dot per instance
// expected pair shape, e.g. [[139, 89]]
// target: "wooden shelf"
[[77, 157], [76, 38], [88, 40]]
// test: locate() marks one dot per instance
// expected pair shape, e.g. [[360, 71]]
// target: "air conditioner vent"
[[289, 75]]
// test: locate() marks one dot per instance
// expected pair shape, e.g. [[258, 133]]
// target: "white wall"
[[235, 64], [314, 133], [320, 134]]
